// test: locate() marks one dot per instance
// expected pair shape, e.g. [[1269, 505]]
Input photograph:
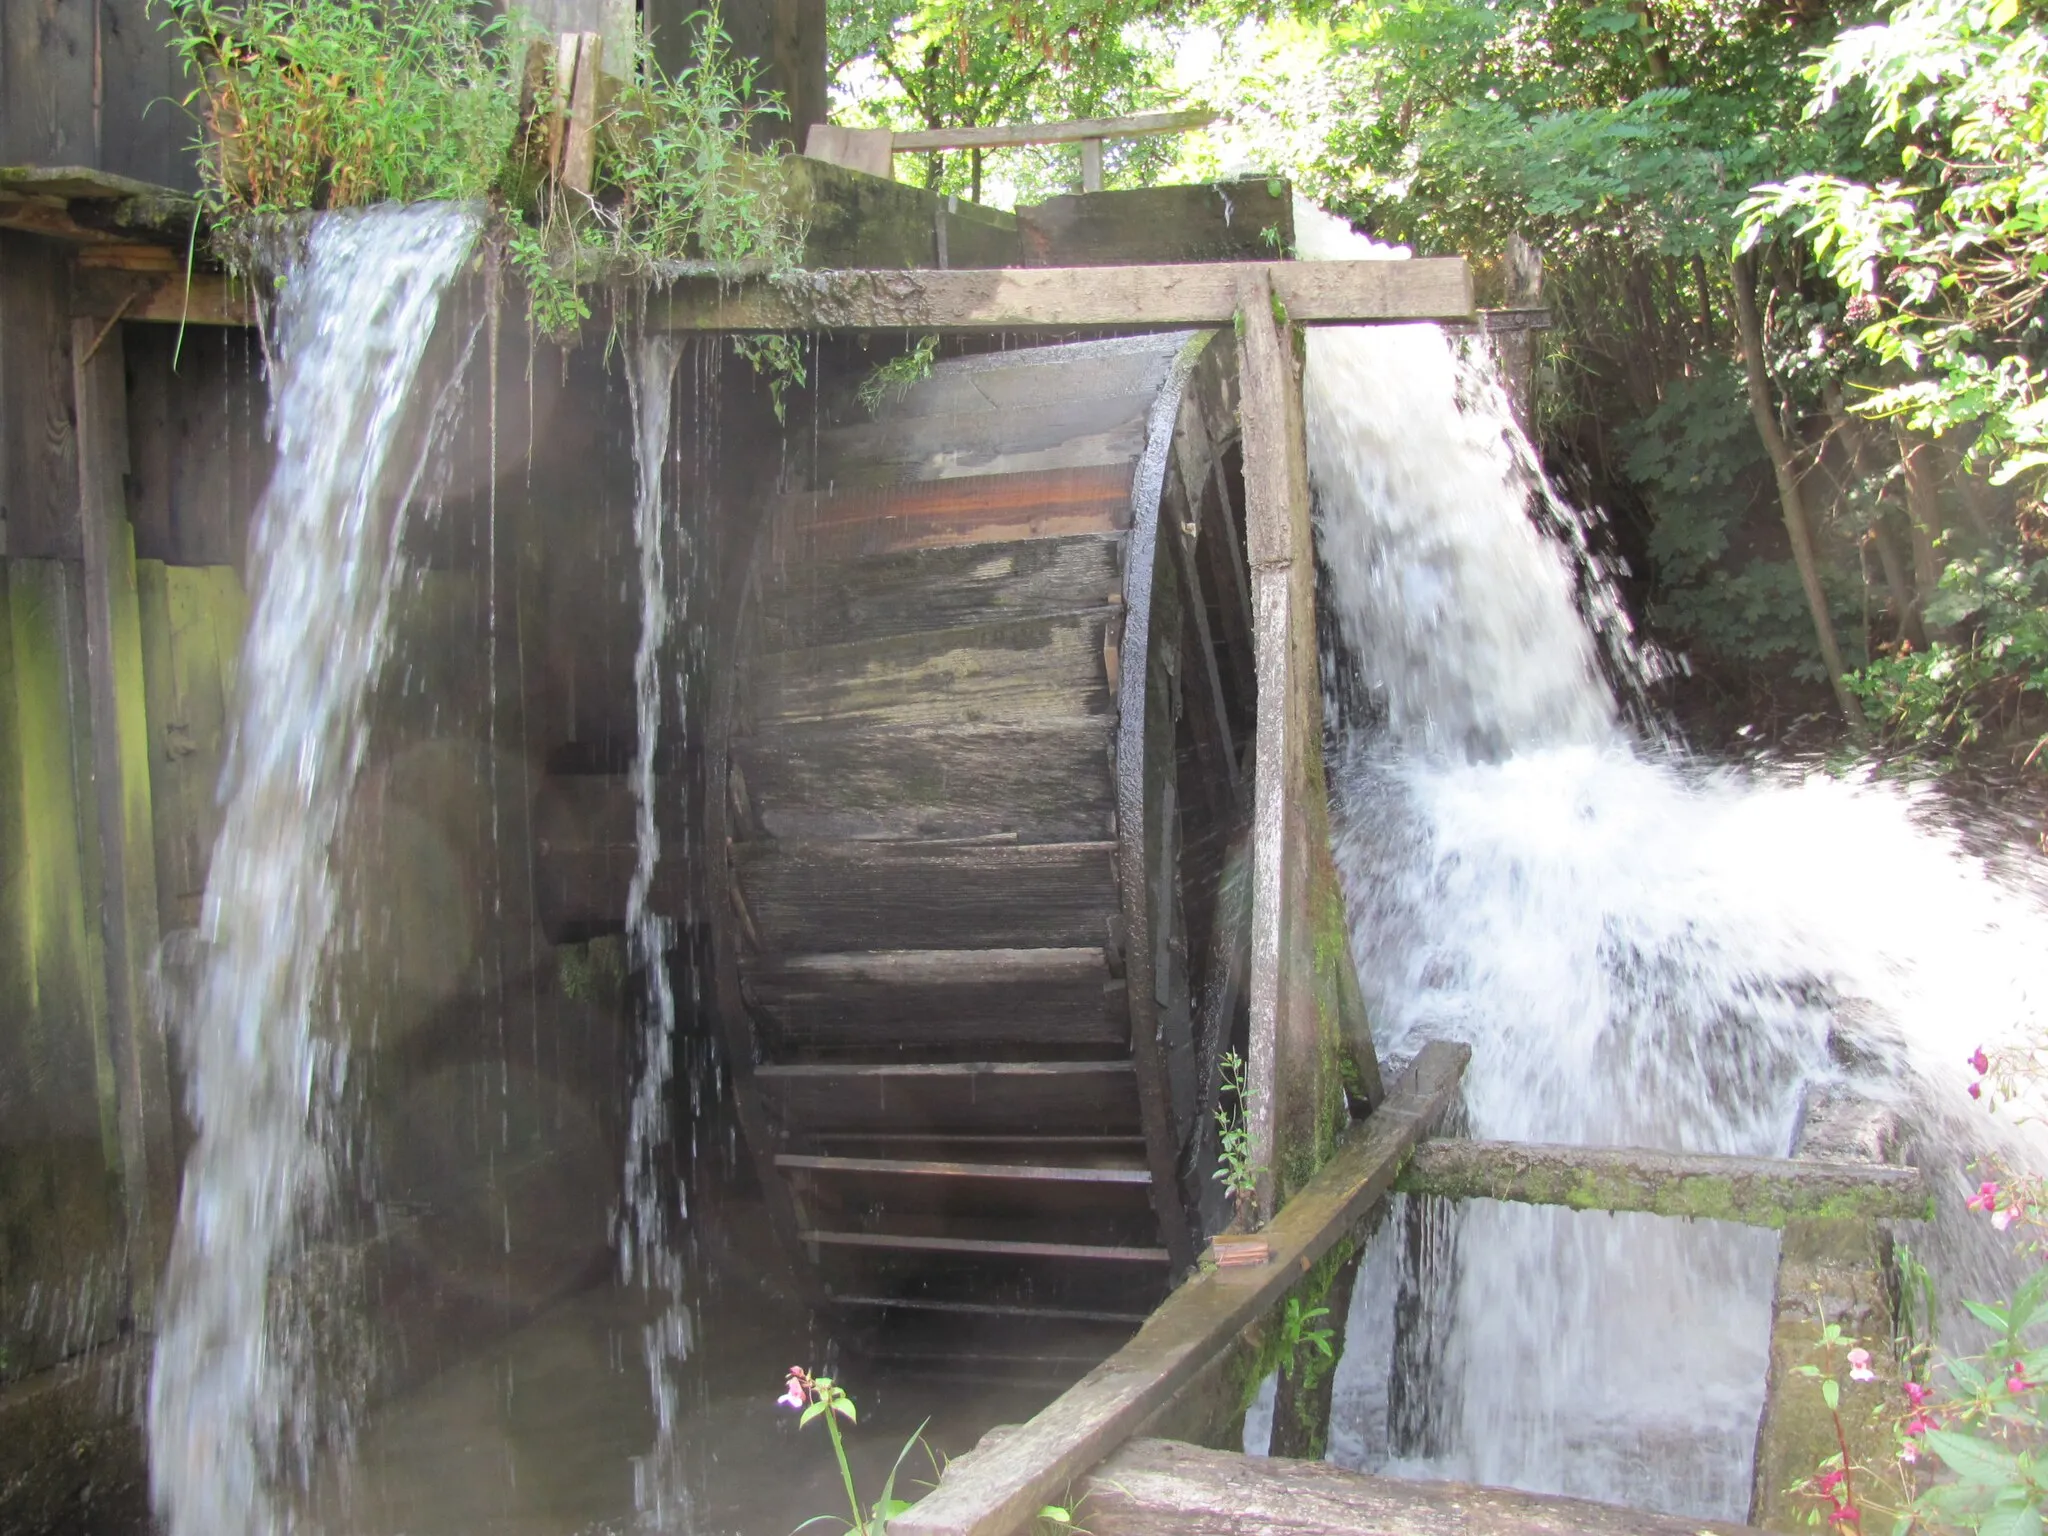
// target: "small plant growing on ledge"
[[1235, 1170], [312, 105], [893, 379]]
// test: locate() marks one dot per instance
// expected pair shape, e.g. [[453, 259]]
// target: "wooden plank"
[[988, 1309], [1039, 1173], [1009, 135], [915, 590], [49, 59], [1046, 781], [1082, 432], [997, 298], [140, 78], [1021, 377], [1758, 1191], [939, 1098], [207, 298], [120, 764], [1305, 1014], [982, 1247], [995, 1491], [192, 622], [1246, 220], [60, 1165], [833, 896], [39, 451], [837, 525], [920, 999], [1165, 1488], [1012, 672], [1019, 298]]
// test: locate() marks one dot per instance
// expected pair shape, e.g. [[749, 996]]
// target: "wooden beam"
[[168, 298], [995, 1490], [1015, 298], [997, 298], [120, 772], [1306, 1016], [1756, 1191], [1164, 1488], [1010, 135]]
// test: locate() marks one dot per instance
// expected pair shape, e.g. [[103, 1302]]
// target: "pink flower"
[[1986, 1198], [1976, 1090], [1828, 1482], [1979, 1062], [2003, 1219], [2017, 1382], [797, 1392], [1919, 1424], [1909, 1453], [1859, 1366], [1844, 1514], [1916, 1394]]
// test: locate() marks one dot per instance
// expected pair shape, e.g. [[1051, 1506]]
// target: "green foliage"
[[321, 104], [954, 63], [1945, 259], [1235, 1170], [338, 103], [891, 380], [1993, 676], [777, 357], [676, 181], [821, 1397], [1305, 1343], [1992, 1425]]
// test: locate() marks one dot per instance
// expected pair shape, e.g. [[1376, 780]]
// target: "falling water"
[[232, 1407], [1641, 950], [647, 1255]]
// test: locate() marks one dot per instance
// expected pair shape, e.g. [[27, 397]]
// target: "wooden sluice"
[[1018, 825]]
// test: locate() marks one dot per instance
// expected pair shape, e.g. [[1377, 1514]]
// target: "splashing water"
[[646, 1254], [1641, 951], [232, 1406]]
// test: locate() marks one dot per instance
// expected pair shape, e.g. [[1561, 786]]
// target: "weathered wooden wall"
[[91, 83]]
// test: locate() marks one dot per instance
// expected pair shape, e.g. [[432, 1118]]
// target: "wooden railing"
[[873, 149]]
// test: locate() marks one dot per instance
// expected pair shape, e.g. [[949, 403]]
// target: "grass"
[[309, 105]]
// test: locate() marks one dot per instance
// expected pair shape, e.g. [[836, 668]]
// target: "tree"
[[959, 63]]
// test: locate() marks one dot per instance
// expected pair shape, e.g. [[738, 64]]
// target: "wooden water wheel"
[[987, 767]]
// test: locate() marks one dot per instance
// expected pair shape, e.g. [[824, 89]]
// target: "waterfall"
[[1642, 950], [647, 1255], [233, 1409]]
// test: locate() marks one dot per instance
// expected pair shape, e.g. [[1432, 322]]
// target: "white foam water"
[[233, 1409], [1642, 950]]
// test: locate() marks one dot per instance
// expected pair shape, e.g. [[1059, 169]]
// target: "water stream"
[[1641, 949], [647, 1253], [232, 1412]]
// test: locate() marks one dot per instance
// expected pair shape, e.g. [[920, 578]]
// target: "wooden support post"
[[995, 1489], [120, 771], [578, 66], [1309, 1037], [1757, 1191]]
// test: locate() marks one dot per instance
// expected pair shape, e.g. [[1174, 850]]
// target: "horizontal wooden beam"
[[1001, 298], [1161, 1488], [1019, 298], [995, 1490], [169, 298], [1011, 135], [1756, 1191]]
